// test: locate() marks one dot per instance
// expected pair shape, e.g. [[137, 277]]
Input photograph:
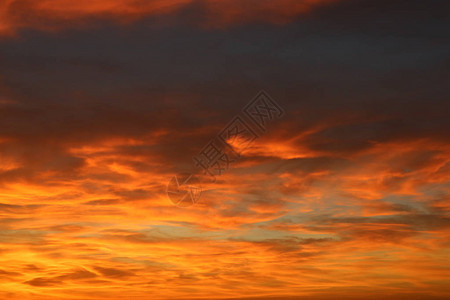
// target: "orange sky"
[[62, 14], [105, 229], [344, 197]]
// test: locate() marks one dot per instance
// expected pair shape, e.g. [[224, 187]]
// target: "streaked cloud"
[[64, 14], [345, 195]]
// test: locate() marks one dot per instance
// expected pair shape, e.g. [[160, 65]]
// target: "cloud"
[[63, 14], [348, 189], [43, 282]]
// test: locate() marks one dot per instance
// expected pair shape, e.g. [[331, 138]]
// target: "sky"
[[344, 193]]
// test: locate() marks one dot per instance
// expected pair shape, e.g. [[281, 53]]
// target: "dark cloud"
[[43, 282], [114, 273], [289, 244], [399, 18], [80, 274], [19, 209]]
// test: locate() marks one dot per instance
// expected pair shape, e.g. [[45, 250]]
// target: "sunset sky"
[[344, 195]]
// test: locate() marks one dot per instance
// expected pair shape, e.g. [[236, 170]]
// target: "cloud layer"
[[345, 196], [65, 14]]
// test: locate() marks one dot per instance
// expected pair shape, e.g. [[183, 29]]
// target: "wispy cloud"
[[345, 196], [63, 14]]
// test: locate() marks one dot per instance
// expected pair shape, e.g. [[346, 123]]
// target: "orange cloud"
[[289, 225], [84, 214], [62, 14]]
